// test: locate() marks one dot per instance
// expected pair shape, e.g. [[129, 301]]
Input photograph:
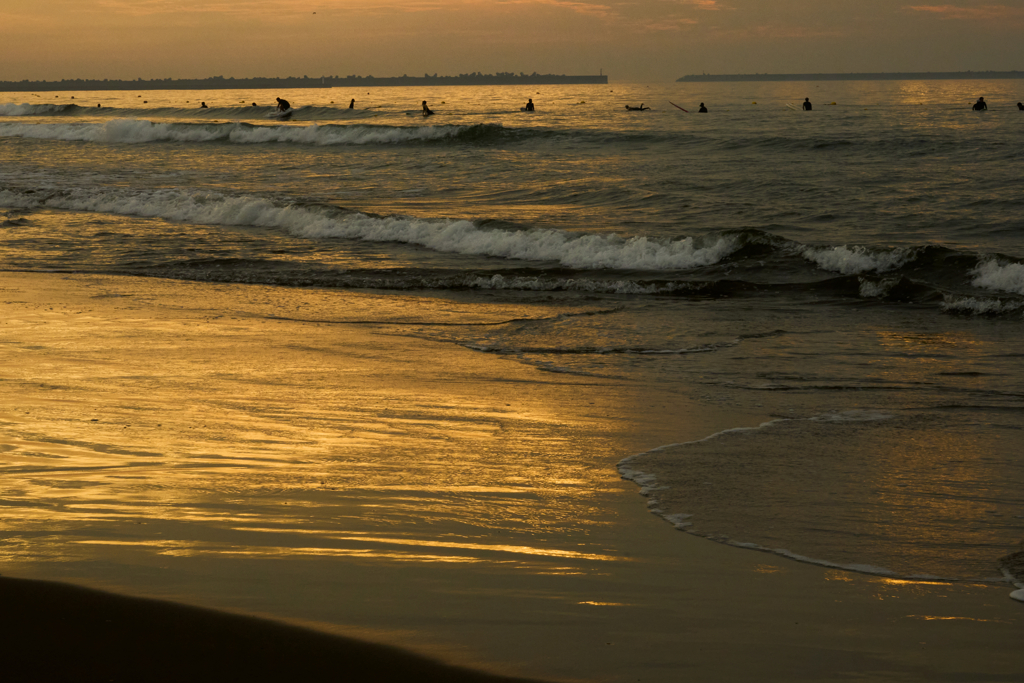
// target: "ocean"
[[855, 274]]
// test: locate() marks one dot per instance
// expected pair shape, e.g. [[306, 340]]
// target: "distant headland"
[[897, 76], [221, 83]]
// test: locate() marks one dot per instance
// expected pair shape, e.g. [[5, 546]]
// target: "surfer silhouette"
[[807, 104], [426, 109], [1020, 105], [980, 105], [352, 104], [529, 105], [202, 105], [703, 109], [283, 105], [640, 108]]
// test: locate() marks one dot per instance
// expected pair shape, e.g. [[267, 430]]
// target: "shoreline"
[[590, 587]]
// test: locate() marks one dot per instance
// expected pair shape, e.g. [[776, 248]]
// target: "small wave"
[[579, 251], [857, 260], [137, 131], [11, 109]]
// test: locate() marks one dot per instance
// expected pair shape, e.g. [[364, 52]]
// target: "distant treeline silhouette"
[[221, 83], [896, 76]]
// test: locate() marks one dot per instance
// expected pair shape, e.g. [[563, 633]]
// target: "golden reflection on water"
[[181, 433]]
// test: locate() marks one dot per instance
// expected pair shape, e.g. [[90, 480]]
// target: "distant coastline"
[[895, 76], [221, 83]]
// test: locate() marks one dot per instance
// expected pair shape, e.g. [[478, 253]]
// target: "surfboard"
[[281, 115], [791, 106], [677, 106]]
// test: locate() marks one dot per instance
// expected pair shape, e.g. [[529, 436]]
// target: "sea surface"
[[856, 272]]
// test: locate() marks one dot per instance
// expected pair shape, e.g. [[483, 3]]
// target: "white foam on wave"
[[857, 260], [137, 131], [876, 289], [538, 284], [974, 306], [1003, 278], [451, 236]]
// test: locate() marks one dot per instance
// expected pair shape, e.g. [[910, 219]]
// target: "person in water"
[[980, 105], [202, 105], [529, 105], [640, 108], [426, 109], [703, 109], [283, 105], [1020, 105], [807, 104], [352, 104]]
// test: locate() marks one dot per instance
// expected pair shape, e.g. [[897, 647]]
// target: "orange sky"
[[631, 40]]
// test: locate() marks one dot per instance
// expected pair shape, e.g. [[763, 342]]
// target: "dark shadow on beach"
[[57, 632]]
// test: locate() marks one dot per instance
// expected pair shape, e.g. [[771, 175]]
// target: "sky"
[[639, 41]]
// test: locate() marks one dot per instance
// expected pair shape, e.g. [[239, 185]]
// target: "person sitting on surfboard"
[[283, 105], [426, 109], [703, 109], [529, 105], [807, 104], [352, 104], [980, 105], [640, 108], [203, 106]]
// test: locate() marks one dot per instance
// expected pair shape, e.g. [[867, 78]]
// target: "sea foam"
[[1003, 278]]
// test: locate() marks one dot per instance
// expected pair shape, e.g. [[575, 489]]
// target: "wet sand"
[[221, 446]]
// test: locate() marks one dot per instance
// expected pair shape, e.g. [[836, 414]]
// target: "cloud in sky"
[[976, 12], [637, 40]]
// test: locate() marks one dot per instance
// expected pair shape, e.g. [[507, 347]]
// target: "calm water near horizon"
[[856, 272]]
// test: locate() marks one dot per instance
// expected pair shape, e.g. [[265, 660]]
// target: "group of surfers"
[[284, 105]]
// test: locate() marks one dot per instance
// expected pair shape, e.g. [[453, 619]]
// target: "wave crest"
[[136, 131]]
